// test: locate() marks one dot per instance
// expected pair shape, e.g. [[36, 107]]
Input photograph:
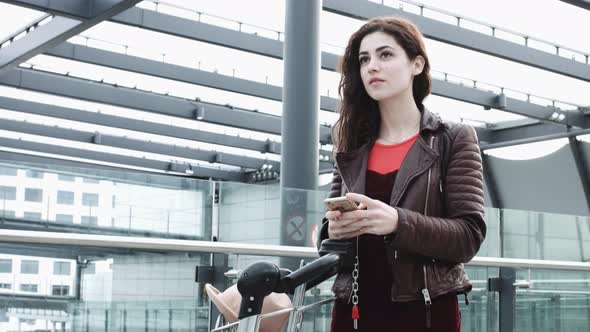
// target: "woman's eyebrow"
[[380, 48]]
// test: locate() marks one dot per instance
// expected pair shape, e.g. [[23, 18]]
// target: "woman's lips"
[[375, 81]]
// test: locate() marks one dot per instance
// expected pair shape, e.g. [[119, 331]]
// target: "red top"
[[386, 158]]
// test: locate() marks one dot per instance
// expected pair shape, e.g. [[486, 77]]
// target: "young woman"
[[419, 183]]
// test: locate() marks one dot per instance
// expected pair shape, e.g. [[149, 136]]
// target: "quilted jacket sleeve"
[[335, 191], [458, 236]]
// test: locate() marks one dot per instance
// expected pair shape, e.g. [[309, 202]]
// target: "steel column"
[[491, 182], [299, 160], [582, 168]]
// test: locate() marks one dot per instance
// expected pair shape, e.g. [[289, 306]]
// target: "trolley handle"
[[259, 279], [312, 274]]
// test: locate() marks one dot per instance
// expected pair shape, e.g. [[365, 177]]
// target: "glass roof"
[[457, 65], [14, 18]]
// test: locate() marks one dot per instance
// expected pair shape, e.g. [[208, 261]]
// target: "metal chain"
[[355, 275]]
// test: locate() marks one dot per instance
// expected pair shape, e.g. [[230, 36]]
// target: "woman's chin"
[[378, 96]]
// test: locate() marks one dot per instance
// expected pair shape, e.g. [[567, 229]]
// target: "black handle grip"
[[255, 282], [318, 271]]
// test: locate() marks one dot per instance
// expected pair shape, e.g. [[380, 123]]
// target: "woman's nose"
[[373, 65]]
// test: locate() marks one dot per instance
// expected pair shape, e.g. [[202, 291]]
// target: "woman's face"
[[385, 68]]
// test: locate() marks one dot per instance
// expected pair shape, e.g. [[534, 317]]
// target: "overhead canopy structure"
[[192, 136]]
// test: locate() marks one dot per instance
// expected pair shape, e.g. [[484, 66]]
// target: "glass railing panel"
[[555, 301], [105, 202], [143, 316], [121, 289], [480, 315], [252, 214], [491, 244], [548, 236]]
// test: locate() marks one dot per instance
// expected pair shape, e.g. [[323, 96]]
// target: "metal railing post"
[[504, 285]]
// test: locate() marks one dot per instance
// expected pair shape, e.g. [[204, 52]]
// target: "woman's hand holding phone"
[[339, 227], [370, 217]]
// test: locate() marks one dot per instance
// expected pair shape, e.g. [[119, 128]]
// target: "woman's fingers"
[[333, 215], [337, 230]]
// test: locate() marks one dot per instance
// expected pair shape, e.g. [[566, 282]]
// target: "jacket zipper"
[[425, 292], [428, 186], [395, 254], [426, 295]]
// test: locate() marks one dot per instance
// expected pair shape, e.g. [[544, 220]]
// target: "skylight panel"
[[528, 151], [157, 85], [246, 12], [511, 76], [113, 150], [457, 111], [511, 18], [131, 113], [14, 18], [182, 51], [92, 128]]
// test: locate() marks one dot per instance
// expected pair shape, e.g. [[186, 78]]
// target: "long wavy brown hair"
[[359, 114]]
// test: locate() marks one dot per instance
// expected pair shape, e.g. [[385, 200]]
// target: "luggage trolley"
[[260, 279]]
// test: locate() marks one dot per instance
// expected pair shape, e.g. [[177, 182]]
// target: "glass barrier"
[[123, 290], [538, 235], [100, 289], [105, 202], [555, 301]]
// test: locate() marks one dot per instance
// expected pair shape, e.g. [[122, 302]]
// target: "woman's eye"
[[386, 55], [363, 60]]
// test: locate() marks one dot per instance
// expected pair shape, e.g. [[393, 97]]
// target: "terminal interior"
[[140, 154]]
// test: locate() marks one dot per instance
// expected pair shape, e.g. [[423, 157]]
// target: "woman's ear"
[[418, 65]]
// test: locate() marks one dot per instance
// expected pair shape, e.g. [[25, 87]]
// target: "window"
[[65, 218], [28, 288], [65, 177], [5, 286], [7, 193], [5, 265], [29, 267], [7, 213], [65, 197], [89, 199], [33, 195], [36, 216], [8, 171], [89, 220], [114, 201], [90, 180], [61, 268], [89, 269], [31, 173], [60, 290]]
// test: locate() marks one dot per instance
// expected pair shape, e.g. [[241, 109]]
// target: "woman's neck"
[[400, 119]]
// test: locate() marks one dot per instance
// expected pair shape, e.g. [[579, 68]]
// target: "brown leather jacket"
[[441, 221]]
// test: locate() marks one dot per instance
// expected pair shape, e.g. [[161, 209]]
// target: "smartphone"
[[341, 204]]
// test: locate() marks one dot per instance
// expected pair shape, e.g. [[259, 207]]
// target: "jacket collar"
[[353, 164], [429, 121]]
